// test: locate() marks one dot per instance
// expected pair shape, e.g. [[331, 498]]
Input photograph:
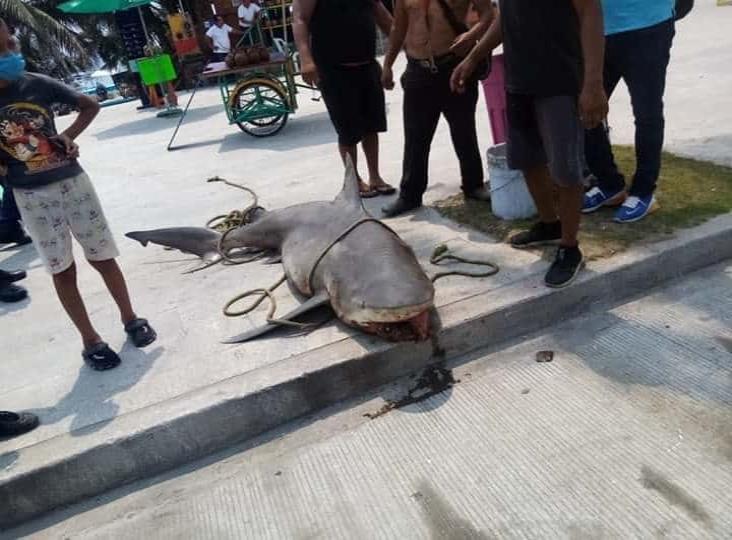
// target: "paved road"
[[143, 186], [626, 434]]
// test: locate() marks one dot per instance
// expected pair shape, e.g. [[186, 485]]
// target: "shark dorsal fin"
[[350, 193]]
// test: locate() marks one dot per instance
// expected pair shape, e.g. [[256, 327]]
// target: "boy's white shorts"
[[52, 213]]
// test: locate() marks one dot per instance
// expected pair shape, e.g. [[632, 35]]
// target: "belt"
[[433, 63]]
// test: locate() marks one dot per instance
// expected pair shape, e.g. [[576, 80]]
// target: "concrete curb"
[[138, 445]]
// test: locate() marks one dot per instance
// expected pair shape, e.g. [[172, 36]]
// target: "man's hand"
[[69, 146], [593, 105], [463, 44], [461, 74], [387, 78], [309, 72]]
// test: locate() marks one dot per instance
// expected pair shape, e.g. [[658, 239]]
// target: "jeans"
[[427, 95], [640, 58]]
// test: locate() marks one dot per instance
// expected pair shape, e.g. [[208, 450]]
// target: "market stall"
[[257, 86]]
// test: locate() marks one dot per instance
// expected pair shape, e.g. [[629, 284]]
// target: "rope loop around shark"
[[333, 253]]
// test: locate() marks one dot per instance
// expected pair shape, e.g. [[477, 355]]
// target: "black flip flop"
[[100, 357], [370, 194], [385, 189], [140, 332]]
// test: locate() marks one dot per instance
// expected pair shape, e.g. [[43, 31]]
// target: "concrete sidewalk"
[[148, 415], [626, 434]]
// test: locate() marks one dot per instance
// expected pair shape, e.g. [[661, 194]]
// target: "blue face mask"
[[12, 66]]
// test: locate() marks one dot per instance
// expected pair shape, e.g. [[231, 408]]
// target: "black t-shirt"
[[26, 129], [542, 48], [343, 32]]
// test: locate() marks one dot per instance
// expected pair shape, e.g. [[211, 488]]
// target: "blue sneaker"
[[636, 208], [597, 198]]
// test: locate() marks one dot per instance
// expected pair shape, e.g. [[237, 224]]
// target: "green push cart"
[[258, 98]]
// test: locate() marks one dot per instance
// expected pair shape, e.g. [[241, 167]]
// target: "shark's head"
[[392, 297]]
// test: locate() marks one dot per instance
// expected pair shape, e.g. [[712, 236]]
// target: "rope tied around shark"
[[228, 222], [333, 254]]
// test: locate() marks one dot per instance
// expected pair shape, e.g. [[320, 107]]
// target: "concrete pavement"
[[627, 433], [188, 374]]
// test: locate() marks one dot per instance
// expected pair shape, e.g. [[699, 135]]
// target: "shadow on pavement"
[[8, 459], [300, 132], [626, 352], [90, 402], [151, 123]]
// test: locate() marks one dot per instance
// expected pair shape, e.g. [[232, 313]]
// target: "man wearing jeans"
[[435, 38], [638, 48]]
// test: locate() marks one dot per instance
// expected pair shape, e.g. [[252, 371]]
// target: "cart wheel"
[[260, 107]]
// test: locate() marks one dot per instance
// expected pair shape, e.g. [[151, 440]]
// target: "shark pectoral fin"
[[315, 302], [209, 260]]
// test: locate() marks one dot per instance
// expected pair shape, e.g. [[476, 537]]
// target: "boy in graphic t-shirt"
[[56, 198]]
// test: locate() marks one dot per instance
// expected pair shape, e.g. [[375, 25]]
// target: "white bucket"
[[510, 198]]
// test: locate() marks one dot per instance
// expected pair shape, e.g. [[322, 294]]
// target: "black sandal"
[[100, 357], [140, 332]]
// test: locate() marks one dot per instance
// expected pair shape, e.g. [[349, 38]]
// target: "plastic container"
[[494, 88], [510, 198]]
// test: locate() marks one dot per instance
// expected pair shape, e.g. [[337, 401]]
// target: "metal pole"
[[144, 26]]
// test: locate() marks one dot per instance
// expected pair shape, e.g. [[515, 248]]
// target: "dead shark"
[[333, 253]]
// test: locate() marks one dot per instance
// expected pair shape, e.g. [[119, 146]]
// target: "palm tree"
[[49, 38], [60, 44]]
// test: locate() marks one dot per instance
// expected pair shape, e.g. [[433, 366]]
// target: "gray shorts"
[[546, 131]]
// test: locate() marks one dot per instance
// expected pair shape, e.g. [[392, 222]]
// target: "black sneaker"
[[564, 269], [14, 424], [540, 234]]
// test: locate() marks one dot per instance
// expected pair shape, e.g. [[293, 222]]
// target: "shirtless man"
[[436, 39]]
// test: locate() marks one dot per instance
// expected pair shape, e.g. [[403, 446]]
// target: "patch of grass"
[[690, 192]]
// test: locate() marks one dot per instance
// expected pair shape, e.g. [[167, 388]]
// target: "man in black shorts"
[[337, 44], [554, 54]]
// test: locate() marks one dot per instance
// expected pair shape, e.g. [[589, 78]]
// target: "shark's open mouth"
[[417, 328]]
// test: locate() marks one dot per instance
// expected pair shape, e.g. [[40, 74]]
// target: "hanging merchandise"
[[184, 34]]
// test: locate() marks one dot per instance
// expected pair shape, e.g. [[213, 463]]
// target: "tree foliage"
[[60, 44]]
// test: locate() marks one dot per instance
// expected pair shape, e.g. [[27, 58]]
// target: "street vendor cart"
[[258, 97]]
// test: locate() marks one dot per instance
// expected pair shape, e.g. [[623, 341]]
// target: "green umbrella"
[[106, 6], [100, 6]]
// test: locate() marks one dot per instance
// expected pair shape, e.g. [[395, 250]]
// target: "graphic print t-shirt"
[[27, 128]]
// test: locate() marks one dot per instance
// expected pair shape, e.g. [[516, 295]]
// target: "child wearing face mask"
[[56, 198]]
